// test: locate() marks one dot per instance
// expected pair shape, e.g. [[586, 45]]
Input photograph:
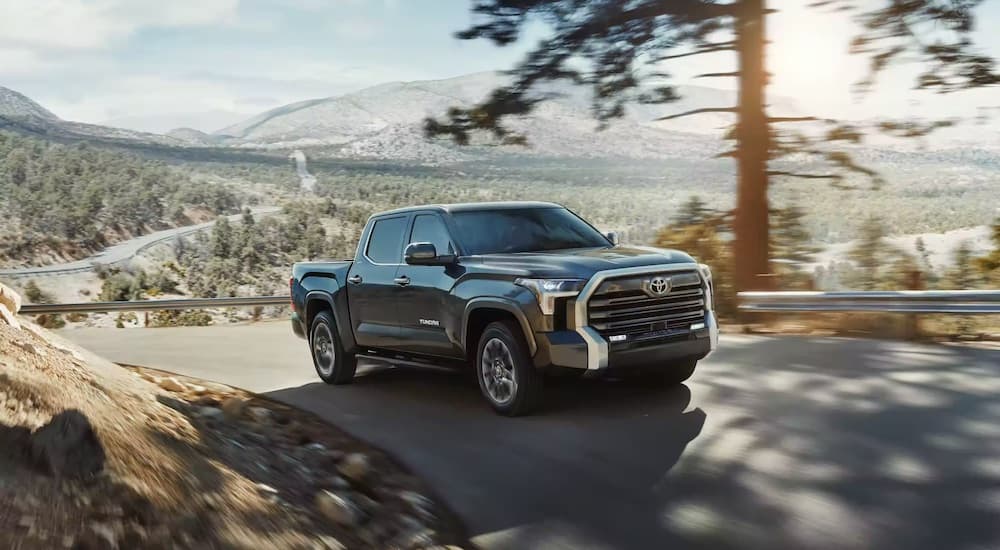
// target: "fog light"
[[618, 338], [697, 326]]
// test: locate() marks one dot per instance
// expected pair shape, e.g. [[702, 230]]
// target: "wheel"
[[674, 374], [333, 364], [507, 378]]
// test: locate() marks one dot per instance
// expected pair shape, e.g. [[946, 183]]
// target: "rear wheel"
[[506, 375], [333, 364]]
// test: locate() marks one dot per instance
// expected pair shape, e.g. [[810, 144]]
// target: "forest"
[[62, 202]]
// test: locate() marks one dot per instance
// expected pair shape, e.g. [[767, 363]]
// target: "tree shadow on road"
[[839, 443]]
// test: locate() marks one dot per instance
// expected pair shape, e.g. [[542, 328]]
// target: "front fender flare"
[[509, 306]]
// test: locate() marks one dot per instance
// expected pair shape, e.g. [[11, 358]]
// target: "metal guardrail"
[[905, 301], [154, 305]]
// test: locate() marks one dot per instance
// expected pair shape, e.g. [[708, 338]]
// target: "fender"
[[338, 305], [504, 304]]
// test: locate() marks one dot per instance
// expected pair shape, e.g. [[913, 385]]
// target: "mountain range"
[[385, 122]]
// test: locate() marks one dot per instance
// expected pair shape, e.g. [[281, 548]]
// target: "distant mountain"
[[19, 113], [16, 104], [193, 137], [203, 121], [385, 121]]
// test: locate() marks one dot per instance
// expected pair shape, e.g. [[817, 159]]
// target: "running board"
[[405, 362]]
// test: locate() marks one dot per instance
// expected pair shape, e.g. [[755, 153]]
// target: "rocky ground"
[[93, 455]]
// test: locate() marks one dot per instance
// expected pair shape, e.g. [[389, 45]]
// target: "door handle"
[[402, 281], [355, 279]]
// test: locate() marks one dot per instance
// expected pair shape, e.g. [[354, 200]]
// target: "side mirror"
[[613, 237], [425, 254]]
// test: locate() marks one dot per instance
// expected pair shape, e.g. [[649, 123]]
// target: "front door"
[[372, 292], [424, 302]]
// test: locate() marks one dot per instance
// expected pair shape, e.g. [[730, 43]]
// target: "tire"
[[501, 358], [674, 374], [332, 363]]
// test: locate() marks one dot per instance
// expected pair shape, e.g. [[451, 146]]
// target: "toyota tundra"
[[516, 290]]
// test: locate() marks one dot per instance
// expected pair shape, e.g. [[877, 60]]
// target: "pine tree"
[[222, 238], [693, 212], [618, 49], [868, 255], [989, 265]]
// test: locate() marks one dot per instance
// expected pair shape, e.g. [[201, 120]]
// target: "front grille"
[[626, 306]]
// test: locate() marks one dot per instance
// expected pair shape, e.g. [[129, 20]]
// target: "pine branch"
[[709, 48], [717, 75], [700, 111], [804, 176]]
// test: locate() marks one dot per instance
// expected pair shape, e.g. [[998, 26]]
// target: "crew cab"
[[514, 290]]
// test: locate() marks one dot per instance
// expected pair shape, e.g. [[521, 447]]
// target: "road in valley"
[[124, 250], [776, 442]]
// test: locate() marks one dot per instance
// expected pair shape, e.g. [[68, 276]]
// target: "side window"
[[386, 243], [428, 228]]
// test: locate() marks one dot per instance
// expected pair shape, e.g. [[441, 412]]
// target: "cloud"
[[20, 61], [81, 24]]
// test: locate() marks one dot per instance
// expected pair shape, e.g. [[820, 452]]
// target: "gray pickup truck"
[[516, 290]]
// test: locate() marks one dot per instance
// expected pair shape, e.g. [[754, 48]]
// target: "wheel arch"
[[319, 300], [480, 312]]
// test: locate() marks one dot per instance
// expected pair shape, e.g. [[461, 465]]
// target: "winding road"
[[776, 442], [122, 251]]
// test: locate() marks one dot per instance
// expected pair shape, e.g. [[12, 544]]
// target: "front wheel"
[[507, 378], [333, 364]]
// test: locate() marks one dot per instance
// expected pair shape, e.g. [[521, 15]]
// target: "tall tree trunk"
[[750, 225]]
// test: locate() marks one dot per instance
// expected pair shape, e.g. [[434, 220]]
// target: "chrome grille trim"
[[597, 346]]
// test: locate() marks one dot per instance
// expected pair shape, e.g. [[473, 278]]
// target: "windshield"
[[524, 230]]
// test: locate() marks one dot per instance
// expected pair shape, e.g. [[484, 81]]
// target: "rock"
[[259, 414], [316, 447], [68, 446], [172, 384], [265, 488], [210, 412], [339, 509], [233, 407], [196, 389], [26, 522], [205, 401], [368, 504], [28, 347], [98, 536], [355, 467], [326, 542], [420, 504]]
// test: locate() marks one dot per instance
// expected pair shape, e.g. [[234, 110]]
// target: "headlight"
[[547, 290], [706, 274]]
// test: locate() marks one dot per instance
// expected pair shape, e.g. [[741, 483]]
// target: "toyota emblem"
[[659, 286]]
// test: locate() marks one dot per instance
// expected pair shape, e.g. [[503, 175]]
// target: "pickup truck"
[[516, 290]]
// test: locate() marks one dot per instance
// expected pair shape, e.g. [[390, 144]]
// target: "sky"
[[158, 64]]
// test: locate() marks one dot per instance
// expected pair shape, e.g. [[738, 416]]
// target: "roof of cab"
[[471, 206]]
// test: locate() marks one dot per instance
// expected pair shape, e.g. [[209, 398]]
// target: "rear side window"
[[428, 228], [386, 243]]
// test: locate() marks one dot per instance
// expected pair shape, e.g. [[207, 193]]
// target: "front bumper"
[[582, 347], [569, 349]]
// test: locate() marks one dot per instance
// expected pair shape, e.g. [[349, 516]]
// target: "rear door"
[[372, 292], [425, 300]]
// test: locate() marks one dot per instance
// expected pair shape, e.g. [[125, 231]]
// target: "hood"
[[581, 263]]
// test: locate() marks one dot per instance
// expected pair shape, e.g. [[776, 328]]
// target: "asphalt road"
[[122, 251], [776, 442]]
